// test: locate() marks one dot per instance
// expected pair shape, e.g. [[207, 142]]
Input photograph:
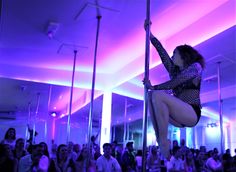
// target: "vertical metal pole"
[[93, 86], [28, 120], [146, 77], [220, 109], [35, 117], [71, 97], [46, 121], [114, 133], [125, 124]]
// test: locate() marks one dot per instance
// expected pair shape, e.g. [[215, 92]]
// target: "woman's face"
[[178, 61], [20, 143], [11, 134], [63, 152]]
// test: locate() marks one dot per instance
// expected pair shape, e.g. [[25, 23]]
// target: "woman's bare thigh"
[[179, 112]]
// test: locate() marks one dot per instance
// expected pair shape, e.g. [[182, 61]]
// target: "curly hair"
[[190, 55]]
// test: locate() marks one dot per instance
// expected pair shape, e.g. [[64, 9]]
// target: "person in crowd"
[[138, 158], [227, 161], [62, 163], [97, 153], [113, 148], [45, 148], [129, 163], [19, 150], [77, 149], [10, 138], [183, 148], [201, 161], [70, 150], [53, 153], [107, 163], [85, 162], [35, 161], [116, 151], [8, 163], [182, 108], [175, 144], [213, 163], [176, 163], [154, 160], [189, 163]]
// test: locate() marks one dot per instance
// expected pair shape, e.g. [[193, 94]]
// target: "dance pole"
[[125, 124], [71, 98], [93, 86], [35, 117], [220, 109], [146, 77], [26, 131], [46, 121]]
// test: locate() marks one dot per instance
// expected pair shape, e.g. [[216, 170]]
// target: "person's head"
[[54, 148], [154, 150], [20, 143], [175, 143], [215, 153], [107, 150], [76, 148], [182, 142], [62, 152], [185, 55], [44, 145], [114, 144], [227, 151], [37, 153], [129, 146], [70, 146], [10, 134], [203, 149], [93, 139], [84, 154], [45, 148], [189, 154]]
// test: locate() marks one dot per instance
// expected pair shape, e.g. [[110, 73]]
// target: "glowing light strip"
[[212, 114]]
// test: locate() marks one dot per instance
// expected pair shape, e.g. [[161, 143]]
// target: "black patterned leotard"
[[184, 84]]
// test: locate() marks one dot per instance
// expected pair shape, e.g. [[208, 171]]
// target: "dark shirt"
[[128, 161]]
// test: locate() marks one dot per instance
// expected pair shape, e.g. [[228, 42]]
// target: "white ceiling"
[[36, 68]]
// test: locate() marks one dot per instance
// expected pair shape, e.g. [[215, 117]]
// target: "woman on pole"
[[182, 108]]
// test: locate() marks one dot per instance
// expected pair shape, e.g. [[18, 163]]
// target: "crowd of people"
[[15, 156]]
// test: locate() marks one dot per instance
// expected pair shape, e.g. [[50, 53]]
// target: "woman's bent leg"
[[167, 109]]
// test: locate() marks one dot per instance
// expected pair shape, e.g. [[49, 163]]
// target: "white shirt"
[[213, 164], [107, 165], [175, 164], [25, 164]]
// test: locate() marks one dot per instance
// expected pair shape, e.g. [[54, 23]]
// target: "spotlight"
[[53, 114]]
